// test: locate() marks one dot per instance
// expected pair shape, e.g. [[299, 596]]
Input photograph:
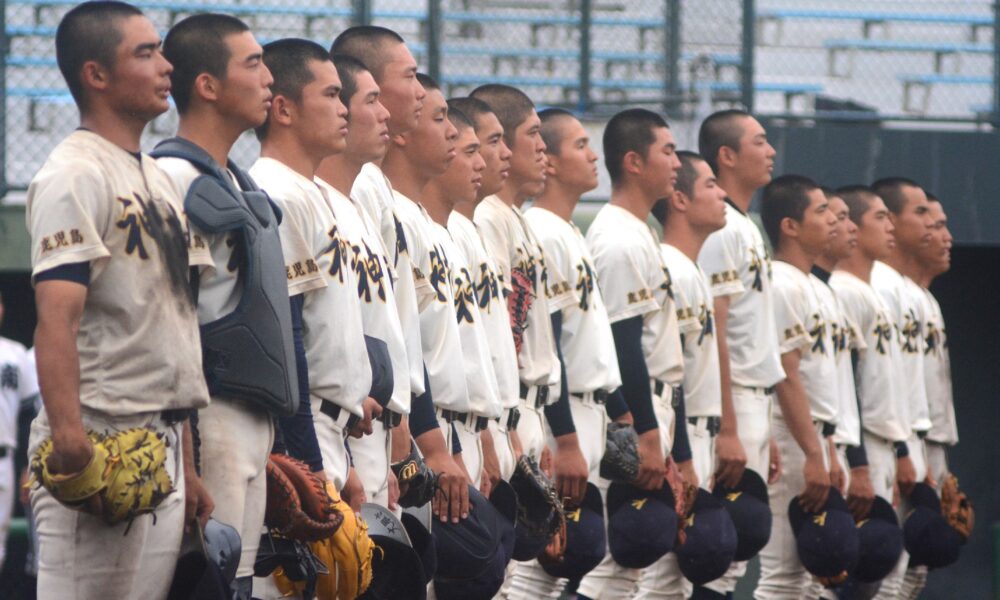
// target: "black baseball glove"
[[621, 454], [417, 483], [539, 510]]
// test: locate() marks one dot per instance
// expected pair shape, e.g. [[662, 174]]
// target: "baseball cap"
[[418, 523], [504, 499], [881, 542], [747, 504], [472, 560], [642, 524], [710, 543], [928, 537], [396, 568], [586, 541], [827, 540]]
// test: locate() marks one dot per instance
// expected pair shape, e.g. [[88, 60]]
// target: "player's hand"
[[354, 491], [393, 484], [626, 419], [570, 470], [774, 463], [838, 477], [198, 503], [70, 453], [24, 490], [372, 411], [930, 481], [652, 463], [732, 459], [686, 470], [515, 444], [860, 493], [491, 463], [452, 497], [906, 475], [817, 478]]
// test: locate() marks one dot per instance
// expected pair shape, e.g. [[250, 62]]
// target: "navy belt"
[[712, 424], [333, 411], [598, 396], [513, 418], [540, 397], [170, 417], [390, 418]]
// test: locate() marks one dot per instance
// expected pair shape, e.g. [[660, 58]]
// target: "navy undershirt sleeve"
[[422, 417], [857, 456], [635, 375], [75, 272], [682, 447], [616, 406], [558, 414], [299, 430]]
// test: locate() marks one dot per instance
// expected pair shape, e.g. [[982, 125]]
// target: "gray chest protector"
[[248, 353]]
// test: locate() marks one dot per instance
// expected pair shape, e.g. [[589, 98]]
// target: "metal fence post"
[[672, 50], [4, 50], [434, 39], [995, 117], [362, 12], [583, 102], [747, 53]]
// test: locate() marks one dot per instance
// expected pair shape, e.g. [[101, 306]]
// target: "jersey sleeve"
[[687, 315], [791, 317], [624, 280], [497, 239], [720, 258], [561, 276], [296, 231]]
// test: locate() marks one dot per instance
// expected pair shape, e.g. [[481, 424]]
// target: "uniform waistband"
[[709, 424], [390, 418], [341, 416], [509, 418], [596, 396], [660, 387], [470, 420], [767, 391], [536, 395], [828, 429]]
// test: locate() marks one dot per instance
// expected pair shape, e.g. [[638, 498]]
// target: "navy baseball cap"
[[881, 542], [396, 568], [418, 522], [504, 499], [642, 524], [586, 541], [928, 537], [747, 504], [472, 561], [827, 540], [710, 543]]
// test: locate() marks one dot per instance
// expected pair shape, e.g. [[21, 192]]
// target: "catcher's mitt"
[[416, 478], [621, 454], [957, 508], [554, 552], [298, 504], [539, 511], [518, 303], [347, 556], [125, 477]]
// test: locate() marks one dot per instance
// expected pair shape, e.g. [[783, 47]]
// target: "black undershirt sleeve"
[[635, 375], [558, 413], [75, 272], [857, 456], [422, 417], [298, 432], [616, 406], [682, 446]]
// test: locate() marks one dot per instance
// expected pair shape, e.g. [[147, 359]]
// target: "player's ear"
[[679, 202], [282, 110], [95, 75], [551, 165], [727, 157], [789, 227], [207, 87], [632, 163], [400, 140]]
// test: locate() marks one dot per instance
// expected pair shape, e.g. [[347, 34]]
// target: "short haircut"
[[197, 45], [459, 119], [890, 189], [786, 196], [552, 130], [367, 43], [348, 68], [511, 106], [631, 130], [932, 197], [720, 129], [688, 174], [428, 82], [288, 61], [89, 31], [858, 199], [472, 107]]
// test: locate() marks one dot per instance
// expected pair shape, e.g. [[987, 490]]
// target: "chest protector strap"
[[248, 353]]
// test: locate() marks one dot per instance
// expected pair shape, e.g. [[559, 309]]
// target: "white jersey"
[[634, 282], [805, 324], [484, 397], [906, 303], [373, 192], [510, 239], [332, 332], [93, 202], [588, 347], [439, 335], [373, 272], [693, 298], [738, 265], [492, 307], [877, 385], [937, 376], [18, 382]]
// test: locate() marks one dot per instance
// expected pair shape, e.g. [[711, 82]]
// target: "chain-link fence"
[[816, 59]]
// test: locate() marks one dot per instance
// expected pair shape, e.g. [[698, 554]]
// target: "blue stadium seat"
[[940, 50], [869, 19]]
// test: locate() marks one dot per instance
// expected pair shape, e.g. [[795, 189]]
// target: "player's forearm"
[[681, 450], [58, 364], [558, 413], [187, 443], [635, 374], [795, 409], [401, 440]]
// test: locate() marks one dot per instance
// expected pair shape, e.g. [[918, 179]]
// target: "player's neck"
[[631, 197], [435, 202], [340, 171], [826, 262], [282, 146], [210, 133], [904, 262], [795, 255], [405, 176], [740, 192], [679, 234], [123, 131], [858, 264], [468, 209], [558, 200], [509, 193]]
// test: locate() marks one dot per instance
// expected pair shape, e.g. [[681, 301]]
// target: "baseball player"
[[696, 209], [110, 269], [883, 420], [796, 216], [501, 438], [739, 268], [307, 122], [18, 386], [579, 321], [639, 153]]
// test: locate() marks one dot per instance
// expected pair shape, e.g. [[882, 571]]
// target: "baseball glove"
[[621, 454], [518, 303], [554, 552], [298, 504], [539, 511], [347, 556], [416, 478], [957, 508], [125, 477]]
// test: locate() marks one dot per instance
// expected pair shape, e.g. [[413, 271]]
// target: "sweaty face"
[[368, 128], [464, 176], [818, 224], [245, 92], [495, 153], [913, 225], [322, 117], [432, 144], [707, 210], [139, 82], [937, 256], [876, 237], [527, 161], [402, 94], [659, 172], [575, 166], [755, 156], [846, 237]]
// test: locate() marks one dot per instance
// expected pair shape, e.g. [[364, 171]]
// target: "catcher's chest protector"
[[248, 353]]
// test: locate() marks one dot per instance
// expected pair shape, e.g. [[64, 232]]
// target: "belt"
[[171, 417], [828, 428], [390, 418], [540, 396], [598, 396], [756, 388], [879, 438], [513, 418], [476, 422], [4, 451], [676, 393], [712, 424], [922, 434], [335, 412]]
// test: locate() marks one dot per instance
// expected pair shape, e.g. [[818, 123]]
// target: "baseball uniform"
[[18, 383], [702, 400], [94, 202], [340, 375], [937, 378]]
